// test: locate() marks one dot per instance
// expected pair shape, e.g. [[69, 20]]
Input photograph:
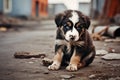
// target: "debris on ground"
[[97, 35], [101, 52], [8, 23], [100, 33], [92, 76], [24, 54], [46, 72], [3, 29], [30, 62], [111, 56], [111, 50], [67, 76], [46, 62], [112, 40]]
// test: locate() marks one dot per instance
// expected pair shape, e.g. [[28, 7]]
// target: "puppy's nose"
[[72, 37]]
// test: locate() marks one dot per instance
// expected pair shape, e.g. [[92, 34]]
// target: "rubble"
[[111, 56], [111, 50], [92, 76], [67, 76], [101, 52]]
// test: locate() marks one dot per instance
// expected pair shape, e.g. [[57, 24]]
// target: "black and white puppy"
[[73, 42]]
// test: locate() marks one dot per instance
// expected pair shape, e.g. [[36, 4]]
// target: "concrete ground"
[[40, 39]]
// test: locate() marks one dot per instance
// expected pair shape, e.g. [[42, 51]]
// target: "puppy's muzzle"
[[72, 37]]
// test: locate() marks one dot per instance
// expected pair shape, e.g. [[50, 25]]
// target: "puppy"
[[73, 46]]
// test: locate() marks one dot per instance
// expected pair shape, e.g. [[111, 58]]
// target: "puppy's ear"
[[87, 21], [58, 19]]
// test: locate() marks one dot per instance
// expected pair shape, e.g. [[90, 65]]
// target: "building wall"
[[54, 9], [39, 8], [98, 5], [59, 8], [1, 5], [21, 8], [85, 8]]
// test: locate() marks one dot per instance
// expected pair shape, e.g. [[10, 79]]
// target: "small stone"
[[32, 58], [67, 76], [31, 62], [111, 56], [111, 50], [92, 76], [37, 72], [46, 72], [101, 52]]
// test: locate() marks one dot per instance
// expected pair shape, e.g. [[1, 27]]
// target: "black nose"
[[72, 37]]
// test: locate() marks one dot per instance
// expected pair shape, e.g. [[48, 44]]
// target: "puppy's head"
[[72, 24]]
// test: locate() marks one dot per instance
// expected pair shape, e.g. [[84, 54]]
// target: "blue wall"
[[85, 8], [21, 7], [1, 5]]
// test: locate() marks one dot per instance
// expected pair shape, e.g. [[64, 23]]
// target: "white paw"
[[54, 66], [72, 67]]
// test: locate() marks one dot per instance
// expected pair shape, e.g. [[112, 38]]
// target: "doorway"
[[37, 8]]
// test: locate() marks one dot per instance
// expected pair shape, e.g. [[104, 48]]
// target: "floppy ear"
[[87, 22], [85, 19], [58, 19]]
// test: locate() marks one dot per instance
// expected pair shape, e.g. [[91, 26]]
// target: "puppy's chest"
[[70, 47]]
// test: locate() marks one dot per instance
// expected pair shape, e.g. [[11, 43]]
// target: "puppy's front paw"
[[54, 66], [72, 67]]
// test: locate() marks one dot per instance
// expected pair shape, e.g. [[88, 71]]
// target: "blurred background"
[[96, 9], [28, 26], [16, 13]]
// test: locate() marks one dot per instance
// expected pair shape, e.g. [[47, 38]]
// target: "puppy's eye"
[[67, 27], [79, 28]]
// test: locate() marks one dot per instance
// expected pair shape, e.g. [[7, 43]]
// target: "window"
[[7, 6]]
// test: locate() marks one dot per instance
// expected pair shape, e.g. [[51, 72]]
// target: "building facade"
[[34, 8]]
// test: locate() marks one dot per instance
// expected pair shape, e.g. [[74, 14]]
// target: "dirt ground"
[[40, 39]]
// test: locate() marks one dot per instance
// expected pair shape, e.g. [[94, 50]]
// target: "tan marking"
[[78, 24], [82, 32], [56, 61], [69, 23], [62, 30], [80, 65], [75, 59], [58, 56]]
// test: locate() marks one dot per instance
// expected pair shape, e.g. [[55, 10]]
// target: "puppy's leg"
[[87, 60], [56, 60], [74, 61]]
